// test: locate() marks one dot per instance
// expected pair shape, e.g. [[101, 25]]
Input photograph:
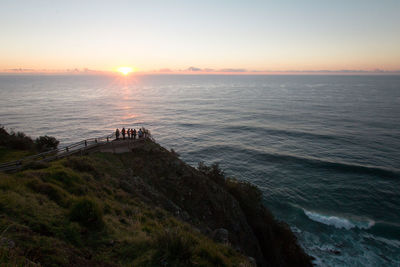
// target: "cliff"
[[140, 208]]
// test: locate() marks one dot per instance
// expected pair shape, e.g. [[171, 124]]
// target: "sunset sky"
[[153, 35]]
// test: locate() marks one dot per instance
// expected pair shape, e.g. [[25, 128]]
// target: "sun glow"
[[125, 70]]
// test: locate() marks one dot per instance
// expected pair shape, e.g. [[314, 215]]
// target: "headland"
[[137, 207]]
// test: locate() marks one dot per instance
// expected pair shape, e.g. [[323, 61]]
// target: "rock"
[[207, 231], [11, 244], [7, 242], [252, 261], [185, 216], [334, 251], [221, 235]]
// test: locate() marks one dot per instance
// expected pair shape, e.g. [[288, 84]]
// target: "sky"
[[207, 35]]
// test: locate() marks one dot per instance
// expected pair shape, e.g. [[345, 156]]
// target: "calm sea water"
[[325, 150]]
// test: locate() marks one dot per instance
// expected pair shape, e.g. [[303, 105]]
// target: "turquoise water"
[[325, 150]]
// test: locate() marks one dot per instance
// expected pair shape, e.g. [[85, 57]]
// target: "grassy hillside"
[[142, 208], [74, 212]]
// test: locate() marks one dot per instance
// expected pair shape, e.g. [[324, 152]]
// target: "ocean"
[[324, 150]]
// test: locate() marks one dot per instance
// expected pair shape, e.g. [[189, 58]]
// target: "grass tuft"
[[87, 212]]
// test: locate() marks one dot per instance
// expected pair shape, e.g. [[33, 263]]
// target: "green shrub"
[[174, 247], [36, 165], [248, 195], [67, 179], [128, 251], [71, 233], [173, 152], [14, 140], [82, 164], [210, 256], [87, 212], [213, 172], [53, 192], [10, 257], [46, 143]]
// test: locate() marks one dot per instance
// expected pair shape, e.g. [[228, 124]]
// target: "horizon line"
[[200, 71]]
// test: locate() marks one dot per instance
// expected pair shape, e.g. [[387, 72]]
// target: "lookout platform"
[[107, 144]]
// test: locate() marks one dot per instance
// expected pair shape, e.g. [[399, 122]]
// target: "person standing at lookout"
[[123, 133], [117, 134], [129, 133], [134, 134]]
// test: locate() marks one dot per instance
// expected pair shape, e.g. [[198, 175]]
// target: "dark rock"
[[221, 235], [252, 261], [185, 216], [7, 242]]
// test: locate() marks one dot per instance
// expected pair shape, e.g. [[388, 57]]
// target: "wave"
[[280, 132], [333, 165], [309, 161], [390, 242], [338, 222]]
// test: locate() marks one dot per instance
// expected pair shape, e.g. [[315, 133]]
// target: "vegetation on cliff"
[[146, 208], [16, 145]]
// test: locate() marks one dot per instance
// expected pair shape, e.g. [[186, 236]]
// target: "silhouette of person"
[[123, 133], [134, 134], [129, 133], [117, 134], [140, 133]]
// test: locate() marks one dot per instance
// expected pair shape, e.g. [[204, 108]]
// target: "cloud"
[[196, 69], [232, 70], [193, 69], [20, 70]]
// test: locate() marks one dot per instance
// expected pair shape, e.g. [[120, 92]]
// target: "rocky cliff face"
[[213, 204]]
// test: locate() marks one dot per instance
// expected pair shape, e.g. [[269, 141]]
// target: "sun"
[[125, 70]]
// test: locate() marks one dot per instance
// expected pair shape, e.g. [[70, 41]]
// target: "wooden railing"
[[58, 153]]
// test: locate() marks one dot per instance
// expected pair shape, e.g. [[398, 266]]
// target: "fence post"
[[85, 143]]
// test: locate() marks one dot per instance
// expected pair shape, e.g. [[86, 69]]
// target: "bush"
[[71, 233], [173, 152], [53, 192], [174, 247], [128, 251], [86, 212], [21, 141], [82, 165], [15, 140], [213, 172], [248, 195], [35, 165], [46, 143]]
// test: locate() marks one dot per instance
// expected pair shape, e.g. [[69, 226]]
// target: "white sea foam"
[[338, 222], [390, 242], [295, 230]]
